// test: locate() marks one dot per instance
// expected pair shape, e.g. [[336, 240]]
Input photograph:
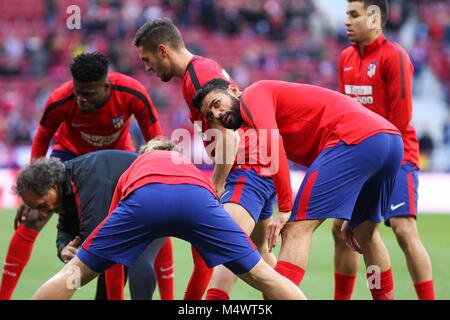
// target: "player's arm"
[[258, 112], [398, 78], [263, 118], [145, 112], [49, 123], [225, 153]]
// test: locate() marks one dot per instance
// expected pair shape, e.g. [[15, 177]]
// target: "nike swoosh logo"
[[11, 264], [162, 269], [77, 125], [348, 69], [393, 208], [223, 195]]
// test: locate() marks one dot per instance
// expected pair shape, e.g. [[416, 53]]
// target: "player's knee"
[[338, 235], [406, 236], [297, 231]]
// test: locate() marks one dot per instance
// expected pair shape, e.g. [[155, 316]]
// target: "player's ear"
[[162, 50], [234, 90]]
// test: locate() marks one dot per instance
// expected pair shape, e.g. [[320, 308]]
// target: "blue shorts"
[[185, 211], [404, 196], [62, 155], [252, 191], [351, 182]]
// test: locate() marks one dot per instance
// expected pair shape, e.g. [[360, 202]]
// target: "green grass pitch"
[[317, 284]]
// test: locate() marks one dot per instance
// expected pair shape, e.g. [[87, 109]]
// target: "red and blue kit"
[[350, 150], [380, 77], [106, 128], [164, 194], [247, 184]]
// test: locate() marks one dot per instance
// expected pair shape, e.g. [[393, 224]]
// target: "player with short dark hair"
[[89, 113], [164, 194], [80, 191], [352, 154], [378, 73], [246, 191]]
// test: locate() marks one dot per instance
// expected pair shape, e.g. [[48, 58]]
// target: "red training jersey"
[[380, 78], [199, 71], [309, 119], [167, 167], [105, 128]]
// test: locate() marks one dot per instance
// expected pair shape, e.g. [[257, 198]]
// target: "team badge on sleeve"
[[372, 69], [118, 121]]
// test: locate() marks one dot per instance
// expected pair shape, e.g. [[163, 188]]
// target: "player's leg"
[[63, 285], [417, 258], [401, 216], [247, 197], [200, 277], [345, 264], [259, 237], [223, 280], [386, 152], [376, 258], [142, 274], [271, 284], [19, 251], [295, 247], [164, 268], [220, 240]]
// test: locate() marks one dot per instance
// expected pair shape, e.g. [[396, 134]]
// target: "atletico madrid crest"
[[117, 122], [372, 69]]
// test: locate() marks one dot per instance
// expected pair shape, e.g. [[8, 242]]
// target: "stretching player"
[[89, 113], [378, 73], [246, 192], [80, 191], [353, 157], [164, 194]]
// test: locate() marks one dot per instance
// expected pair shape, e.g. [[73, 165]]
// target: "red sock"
[[115, 282], [19, 252], [385, 291], [199, 278], [216, 294], [425, 290], [343, 286], [290, 271], [164, 271]]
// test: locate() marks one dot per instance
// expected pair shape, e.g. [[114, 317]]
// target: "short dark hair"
[[39, 177], [214, 84], [158, 31], [88, 67], [382, 4]]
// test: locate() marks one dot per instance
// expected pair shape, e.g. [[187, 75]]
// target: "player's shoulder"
[[348, 51], [392, 49], [207, 69], [122, 82], [62, 94]]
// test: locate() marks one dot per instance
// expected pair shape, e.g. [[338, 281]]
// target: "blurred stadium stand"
[[294, 40]]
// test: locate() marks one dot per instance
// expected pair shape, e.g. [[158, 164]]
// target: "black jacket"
[[87, 191]]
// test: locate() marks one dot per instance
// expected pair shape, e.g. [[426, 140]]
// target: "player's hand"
[[350, 238], [21, 215], [220, 189], [69, 251], [274, 228]]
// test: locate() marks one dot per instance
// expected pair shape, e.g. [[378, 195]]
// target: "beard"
[[232, 119]]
